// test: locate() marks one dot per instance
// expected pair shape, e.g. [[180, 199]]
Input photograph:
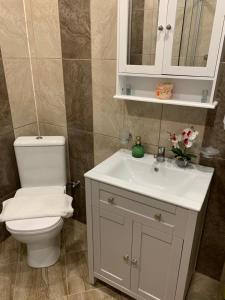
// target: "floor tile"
[[7, 281], [31, 284], [9, 251]]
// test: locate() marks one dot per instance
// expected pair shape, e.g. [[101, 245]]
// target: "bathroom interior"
[[112, 130]]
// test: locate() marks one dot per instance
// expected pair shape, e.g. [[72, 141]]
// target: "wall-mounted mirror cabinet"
[[175, 39]]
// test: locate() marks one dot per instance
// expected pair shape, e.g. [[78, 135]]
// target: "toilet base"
[[43, 254]]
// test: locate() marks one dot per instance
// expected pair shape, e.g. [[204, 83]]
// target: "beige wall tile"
[[20, 90], [51, 130], [103, 28], [27, 130], [13, 37], [45, 30], [104, 146], [49, 87], [175, 119], [108, 113], [143, 119]]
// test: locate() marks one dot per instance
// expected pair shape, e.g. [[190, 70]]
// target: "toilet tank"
[[41, 161]]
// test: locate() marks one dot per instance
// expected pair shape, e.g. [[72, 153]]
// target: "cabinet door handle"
[[160, 28], [158, 217], [111, 200], [168, 27], [126, 258], [134, 261]]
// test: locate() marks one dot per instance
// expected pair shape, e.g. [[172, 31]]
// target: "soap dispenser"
[[138, 150]]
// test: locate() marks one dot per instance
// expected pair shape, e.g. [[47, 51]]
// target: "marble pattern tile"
[[21, 98], [203, 288], [214, 131], [104, 146], [49, 129], [13, 35], [27, 130], [9, 179], [144, 120], [48, 79], [212, 250], [175, 119], [78, 94], [81, 153], [5, 113], [107, 113], [44, 15], [103, 29], [68, 278], [74, 19]]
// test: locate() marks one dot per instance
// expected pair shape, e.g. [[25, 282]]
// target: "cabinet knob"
[[160, 28], [168, 27], [111, 200], [158, 217], [134, 261], [126, 258]]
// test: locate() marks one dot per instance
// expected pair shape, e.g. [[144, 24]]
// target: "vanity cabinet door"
[[193, 37], [155, 263], [112, 244]]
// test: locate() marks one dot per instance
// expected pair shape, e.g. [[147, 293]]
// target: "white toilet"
[[42, 169]]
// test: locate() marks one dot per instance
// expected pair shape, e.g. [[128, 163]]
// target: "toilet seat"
[[36, 225]]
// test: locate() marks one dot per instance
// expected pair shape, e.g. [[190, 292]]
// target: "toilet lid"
[[35, 224]]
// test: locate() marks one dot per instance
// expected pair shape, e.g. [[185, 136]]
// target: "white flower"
[[190, 134]]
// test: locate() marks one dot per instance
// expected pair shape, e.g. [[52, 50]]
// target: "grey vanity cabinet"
[[142, 246]]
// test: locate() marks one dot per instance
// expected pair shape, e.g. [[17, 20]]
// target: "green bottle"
[[138, 150]]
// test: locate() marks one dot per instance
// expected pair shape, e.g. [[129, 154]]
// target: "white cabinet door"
[[193, 37], [112, 244], [141, 39], [156, 259]]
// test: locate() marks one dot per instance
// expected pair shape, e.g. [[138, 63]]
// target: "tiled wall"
[[76, 57], [212, 251], [15, 54], [9, 179], [46, 58]]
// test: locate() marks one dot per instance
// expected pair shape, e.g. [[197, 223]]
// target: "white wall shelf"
[[167, 102], [192, 84]]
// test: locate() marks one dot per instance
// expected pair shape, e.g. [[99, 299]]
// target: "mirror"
[[143, 27], [193, 30]]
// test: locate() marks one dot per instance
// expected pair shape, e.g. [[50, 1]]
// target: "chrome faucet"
[[160, 156]]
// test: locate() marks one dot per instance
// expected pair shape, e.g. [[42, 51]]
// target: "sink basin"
[[163, 181]]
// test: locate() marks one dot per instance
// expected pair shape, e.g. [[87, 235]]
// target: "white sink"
[[164, 181]]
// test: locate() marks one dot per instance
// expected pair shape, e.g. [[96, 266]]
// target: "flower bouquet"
[[181, 144]]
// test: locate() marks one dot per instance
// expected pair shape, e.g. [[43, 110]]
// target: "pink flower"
[[188, 143], [174, 140], [189, 133]]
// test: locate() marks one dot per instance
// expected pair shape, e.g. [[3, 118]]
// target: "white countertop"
[[165, 181]]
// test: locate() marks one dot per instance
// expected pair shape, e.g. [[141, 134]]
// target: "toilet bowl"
[[41, 235]]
